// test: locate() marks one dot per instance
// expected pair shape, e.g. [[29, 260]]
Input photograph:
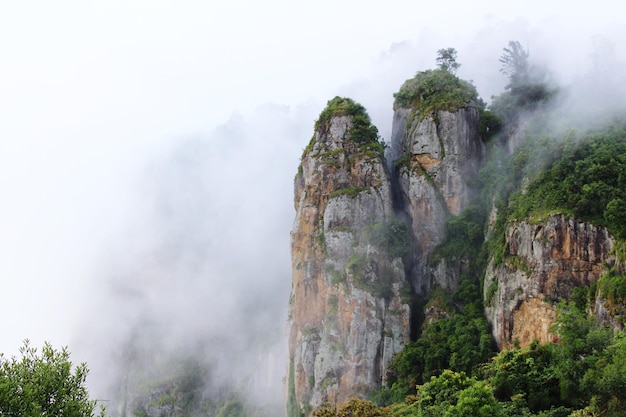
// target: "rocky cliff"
[[438, 155], [363, 234], [544, 262], [349, 313]]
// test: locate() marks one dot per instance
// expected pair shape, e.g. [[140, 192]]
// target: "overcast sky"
[[149, 143]]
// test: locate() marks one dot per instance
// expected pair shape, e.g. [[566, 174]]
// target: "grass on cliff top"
[[362, 129], [434, 90]]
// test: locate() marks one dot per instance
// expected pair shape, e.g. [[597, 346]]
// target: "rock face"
[[348, 313], [543, 264], [350, 255], [435, 156]]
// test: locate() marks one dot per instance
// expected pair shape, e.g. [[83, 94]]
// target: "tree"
[[446, 59], [514, 62], [476, 400], [438, 395], [355, 407], [527, 89], [44, 384]]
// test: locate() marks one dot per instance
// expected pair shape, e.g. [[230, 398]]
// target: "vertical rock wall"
[[436, 156], [349, 313], [542, 265], [349, 306]]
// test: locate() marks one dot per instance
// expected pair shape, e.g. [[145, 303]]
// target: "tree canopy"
[[514, 62], [44, 384], [446, 60]]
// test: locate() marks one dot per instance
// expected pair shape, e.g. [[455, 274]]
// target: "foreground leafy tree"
[[45, 384], [526, 374], [440, 394], [477, 400]]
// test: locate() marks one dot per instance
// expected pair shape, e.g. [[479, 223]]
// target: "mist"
[[203, 270], [148, 154]]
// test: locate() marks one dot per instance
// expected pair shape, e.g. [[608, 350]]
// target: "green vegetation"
[[586, 178], [378, 282], [527, 90], [232, 407], [446, 60], [181, 388], [490, 125], [582, 375], [44, 384], [336, 277], [458, 343], [361, 130], [293, 410], [391, 236], [433, 90], [612, 288], [348, 191], [465, 235], [353, 408], [377, 273]]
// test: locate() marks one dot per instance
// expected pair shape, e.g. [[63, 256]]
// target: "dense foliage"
[[586, 179], [353, 408], [581, 376], [459, 342], [361, 131], [44, 384], [433, 90]]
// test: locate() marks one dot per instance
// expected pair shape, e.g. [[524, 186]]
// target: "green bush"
[[464, 234], [612, 288], [526, 371], [361, 130], [433, 90], [44, 383], [458, 343]]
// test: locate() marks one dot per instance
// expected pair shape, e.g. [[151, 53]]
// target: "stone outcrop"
[[543, 264], [436, 156], [348, 309], [349, 306]]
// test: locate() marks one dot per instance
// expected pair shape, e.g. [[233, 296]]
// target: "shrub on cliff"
[[361, 131], [433, 90]]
